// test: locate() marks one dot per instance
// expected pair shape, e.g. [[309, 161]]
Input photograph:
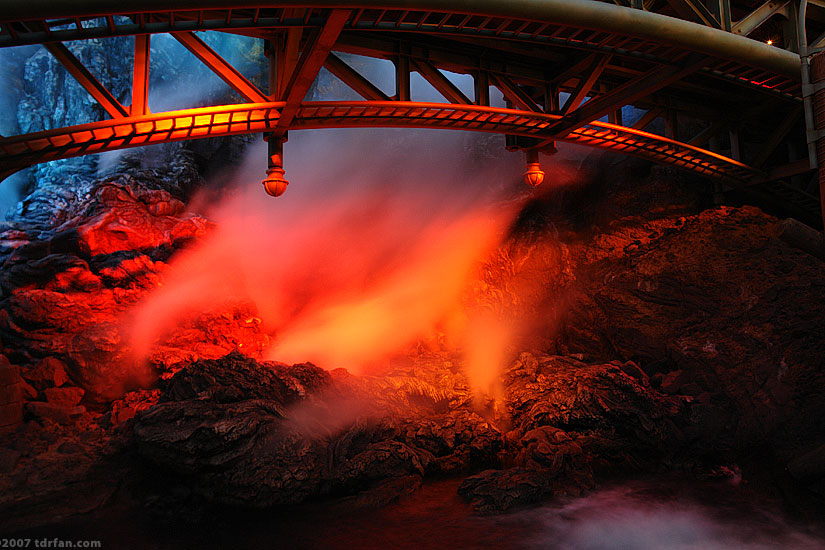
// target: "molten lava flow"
[[345, 278]]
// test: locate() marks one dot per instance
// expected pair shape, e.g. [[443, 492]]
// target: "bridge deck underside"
[[22, 151], [722, 106]]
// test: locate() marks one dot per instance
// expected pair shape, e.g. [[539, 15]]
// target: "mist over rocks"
[[666, 340]]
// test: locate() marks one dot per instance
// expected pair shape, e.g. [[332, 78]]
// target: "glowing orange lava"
[[342, 279]]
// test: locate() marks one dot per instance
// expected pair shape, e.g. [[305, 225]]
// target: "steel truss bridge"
[[718, 81]]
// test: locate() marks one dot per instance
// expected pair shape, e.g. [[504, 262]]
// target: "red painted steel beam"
[[592, 74], [310, 62], [629, 92], [481, 87], [140, 76], [221, 67], [440, 82], [18, 152], [574, 70], [353, 79], [402, 78], [514, 94], [92, 85]]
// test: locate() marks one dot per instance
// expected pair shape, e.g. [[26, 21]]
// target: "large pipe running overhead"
[[587, 14]]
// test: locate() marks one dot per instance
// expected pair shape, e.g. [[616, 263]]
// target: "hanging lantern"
[[275, 184], [533, 176]]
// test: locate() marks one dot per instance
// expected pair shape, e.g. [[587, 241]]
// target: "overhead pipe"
[[578, 13], [807, 91], [813, 101]]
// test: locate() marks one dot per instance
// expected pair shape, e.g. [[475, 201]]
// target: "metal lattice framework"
[[717, 99], [264, 117]]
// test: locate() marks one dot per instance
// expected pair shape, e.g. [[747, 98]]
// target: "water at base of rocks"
[[639, 514]]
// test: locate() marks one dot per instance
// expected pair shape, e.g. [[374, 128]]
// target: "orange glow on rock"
[[397, 307], [344, 279]]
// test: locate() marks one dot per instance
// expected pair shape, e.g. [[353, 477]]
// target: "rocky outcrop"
[[681, 342], [11, 396], [68, 280], [717, 308], [260, 434], [53, 470], [51, 98], [572, 421]]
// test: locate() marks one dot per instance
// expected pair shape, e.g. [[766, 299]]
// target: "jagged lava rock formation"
[[677, 341]]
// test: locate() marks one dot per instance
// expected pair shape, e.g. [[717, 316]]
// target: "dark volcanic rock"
[[236, 447], [50, 372], [717, 304], [550, 463], [52, 472], [69, 281], [809, 468], [62, 414], [494, 491], [11, 396], [130, 217], [568, 394], [237, 377], [674, 343], [66, 397], [259, 434]]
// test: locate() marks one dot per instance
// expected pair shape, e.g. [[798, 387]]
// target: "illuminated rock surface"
[[686, 343]]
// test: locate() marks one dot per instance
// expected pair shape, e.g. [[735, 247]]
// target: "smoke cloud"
[[642, 515], [372, 247]]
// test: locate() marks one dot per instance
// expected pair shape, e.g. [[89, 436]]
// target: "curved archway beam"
[[19, 152]]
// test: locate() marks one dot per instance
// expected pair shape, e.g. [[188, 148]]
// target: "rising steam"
[[371, 248]]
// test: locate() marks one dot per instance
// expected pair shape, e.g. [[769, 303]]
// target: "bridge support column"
[[818, 81], [275, 184]]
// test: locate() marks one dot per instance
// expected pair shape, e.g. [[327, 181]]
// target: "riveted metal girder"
[[220, 67], [140, 76], [441, 83], [585, 84], [757, 17], [603, 56], [353, 79], [20, 151], [690, 10], [514, 94], [628, 93], [92, 85], [311, 60]]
